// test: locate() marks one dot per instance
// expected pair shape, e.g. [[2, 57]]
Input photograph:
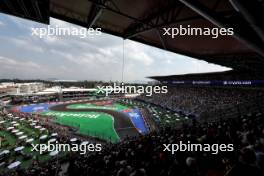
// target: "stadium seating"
[[202, 101], [145, 155]]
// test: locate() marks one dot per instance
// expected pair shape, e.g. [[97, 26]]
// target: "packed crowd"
[[145, 156], [200, 99]]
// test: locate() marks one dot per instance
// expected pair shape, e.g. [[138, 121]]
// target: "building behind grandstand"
[[48, 91]]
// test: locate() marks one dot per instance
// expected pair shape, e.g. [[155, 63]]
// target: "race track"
[[122, 124]]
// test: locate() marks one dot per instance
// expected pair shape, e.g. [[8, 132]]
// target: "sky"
[[97, 58]]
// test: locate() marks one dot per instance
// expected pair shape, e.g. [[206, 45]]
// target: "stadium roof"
[[227, 75], [143, 20]]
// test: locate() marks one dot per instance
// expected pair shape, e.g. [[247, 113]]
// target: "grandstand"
[[213, 102], [215, 109]]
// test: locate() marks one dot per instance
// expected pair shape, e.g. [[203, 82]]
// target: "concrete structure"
[[30, 87], [21, 88]]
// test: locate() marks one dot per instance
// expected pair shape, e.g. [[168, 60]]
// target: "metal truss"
[[31, 9], [242, 30], [56, 9], [169, 15], [95, 13], [252, 13], [163, 17]]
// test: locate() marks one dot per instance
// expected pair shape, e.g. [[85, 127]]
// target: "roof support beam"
[[95, 12], [36, 10], [23, 7], [161, 39], [10, 6], [252, 12], [240, 32], [35, 5], [166, 16], [107, 7]]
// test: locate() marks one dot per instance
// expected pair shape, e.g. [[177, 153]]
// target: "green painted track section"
[[94, 124], [115, 106]]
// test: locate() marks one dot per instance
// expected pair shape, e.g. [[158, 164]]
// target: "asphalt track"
[[122, 123]]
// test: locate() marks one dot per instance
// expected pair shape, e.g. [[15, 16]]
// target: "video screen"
[[131, 88]]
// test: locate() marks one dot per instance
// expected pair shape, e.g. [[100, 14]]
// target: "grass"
[[115, 106], [94, 124], [10, 140]]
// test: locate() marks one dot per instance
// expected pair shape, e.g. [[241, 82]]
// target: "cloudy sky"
[[93, 58]]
